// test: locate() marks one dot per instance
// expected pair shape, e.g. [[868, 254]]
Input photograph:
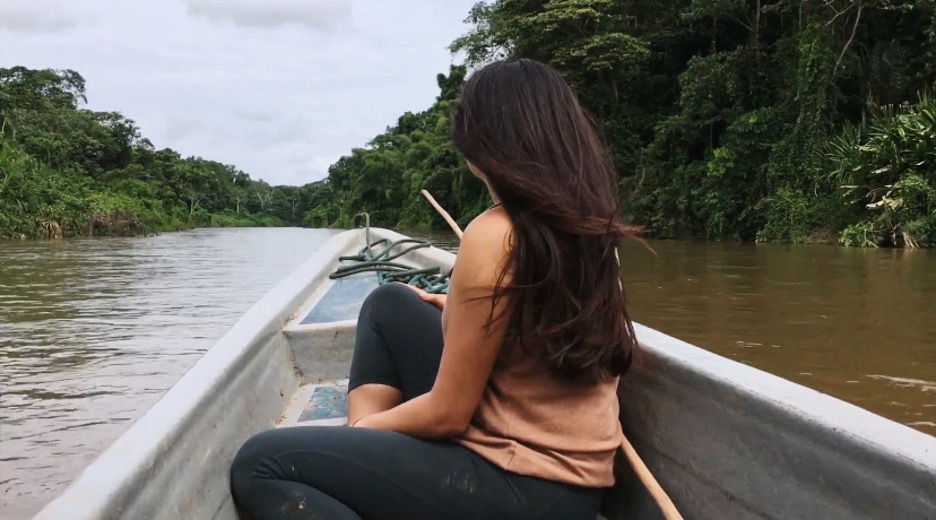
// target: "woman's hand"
[[359, 423], [437, 300]]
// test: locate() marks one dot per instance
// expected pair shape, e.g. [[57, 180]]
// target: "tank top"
[[532, 423]]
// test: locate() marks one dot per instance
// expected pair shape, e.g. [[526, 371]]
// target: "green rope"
[[381, 261]]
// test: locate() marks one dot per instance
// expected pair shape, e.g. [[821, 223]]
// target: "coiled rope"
[[378, 257]]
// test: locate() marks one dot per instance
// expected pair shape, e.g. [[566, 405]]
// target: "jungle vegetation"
[[66, 171], [750, 120]]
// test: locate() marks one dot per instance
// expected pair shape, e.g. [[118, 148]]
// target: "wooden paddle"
[[448, 218], [659, 495]]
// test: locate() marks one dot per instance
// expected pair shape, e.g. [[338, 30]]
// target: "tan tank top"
[[532, 423]]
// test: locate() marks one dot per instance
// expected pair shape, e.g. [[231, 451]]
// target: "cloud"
[[29, 16], [322, 15], [255, 116], [181, 126]]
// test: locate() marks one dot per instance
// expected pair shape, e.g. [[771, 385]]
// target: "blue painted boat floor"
[[321, 404], [343, 299]]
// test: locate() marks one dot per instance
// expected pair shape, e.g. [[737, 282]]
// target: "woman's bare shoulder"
[[485, 244], [490, 230]]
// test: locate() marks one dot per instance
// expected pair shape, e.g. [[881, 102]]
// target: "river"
[[94, 331]]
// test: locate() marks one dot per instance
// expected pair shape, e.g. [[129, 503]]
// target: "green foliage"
[[886, 169], [230, 219], [789, 216], [725, 117], [36, 200], [65, 171]]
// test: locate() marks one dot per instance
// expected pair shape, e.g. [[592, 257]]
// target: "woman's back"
[[533, 423]]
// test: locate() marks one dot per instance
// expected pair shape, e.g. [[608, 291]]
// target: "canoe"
[[725, 440]]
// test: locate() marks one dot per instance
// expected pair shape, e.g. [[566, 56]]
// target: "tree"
[[66, 170], [718, 113]]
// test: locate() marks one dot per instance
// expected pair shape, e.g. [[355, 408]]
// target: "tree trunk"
[[193, 204], [757, 15], [850, 38]]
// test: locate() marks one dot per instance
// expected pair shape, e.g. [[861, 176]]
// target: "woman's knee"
[[390, 298], [392, 293], [251, 460]]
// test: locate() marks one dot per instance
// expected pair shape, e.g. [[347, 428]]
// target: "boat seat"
[[320, 404]]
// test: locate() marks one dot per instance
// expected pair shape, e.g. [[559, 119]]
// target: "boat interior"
[[331, 311]]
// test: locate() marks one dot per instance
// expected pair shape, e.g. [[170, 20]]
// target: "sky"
[[279, 88]]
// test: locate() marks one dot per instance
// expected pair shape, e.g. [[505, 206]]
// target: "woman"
[[504, 406]]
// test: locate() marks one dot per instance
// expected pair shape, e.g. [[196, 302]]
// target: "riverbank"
[[227, 220], [67, 171], [866, 180], [124, 227], [727, 123]]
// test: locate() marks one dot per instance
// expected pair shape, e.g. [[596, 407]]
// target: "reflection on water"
[[94, 331]]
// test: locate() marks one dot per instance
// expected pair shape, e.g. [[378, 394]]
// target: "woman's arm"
[[470, 351]]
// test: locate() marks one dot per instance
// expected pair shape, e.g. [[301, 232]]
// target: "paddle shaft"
[[448, 218]]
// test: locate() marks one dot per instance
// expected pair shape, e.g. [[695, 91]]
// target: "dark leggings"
[[333, 472]]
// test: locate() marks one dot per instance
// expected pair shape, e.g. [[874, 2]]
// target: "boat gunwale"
[[788, 451], [797, 401], [106, 484]]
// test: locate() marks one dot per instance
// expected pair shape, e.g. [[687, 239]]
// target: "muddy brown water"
[[94, 331]]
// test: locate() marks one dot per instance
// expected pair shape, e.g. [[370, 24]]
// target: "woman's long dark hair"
[[521, 125]]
